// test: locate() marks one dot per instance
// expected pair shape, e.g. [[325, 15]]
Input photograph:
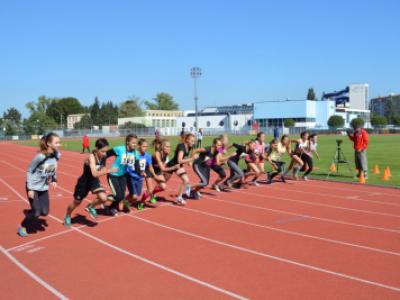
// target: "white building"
[[164, 120], [234, 118], [72, 119]]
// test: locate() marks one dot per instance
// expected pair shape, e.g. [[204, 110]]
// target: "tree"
[[94, 111], [10, 130], [357, 123], [163, 101], [396, 120], [131, 125], [38, 123], [108, 113], [130, 108], [378, 120], [311, 94], [336, 121], [13, 115], [40, 106], [59, 109], [86, 122], [288, 123]]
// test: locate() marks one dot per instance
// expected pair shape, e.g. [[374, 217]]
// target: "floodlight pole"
[[195, 72]]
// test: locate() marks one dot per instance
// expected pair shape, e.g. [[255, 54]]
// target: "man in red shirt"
[[85, 143], [360, 140]]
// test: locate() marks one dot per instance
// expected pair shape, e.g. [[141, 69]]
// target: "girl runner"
[[181, 157], [251, 162], [260, 153], [41, 173], [160, 160], [93, 168], [307, 156], [233, 163], [296, 163], [143, 168], [125, 155], [217, 166], [274, 157], [203, 164]]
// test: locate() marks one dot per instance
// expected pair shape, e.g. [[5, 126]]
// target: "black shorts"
[[219, 170], [83, 187]]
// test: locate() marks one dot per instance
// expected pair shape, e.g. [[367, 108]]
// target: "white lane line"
[[305, 216], [267, 196], [289, 231], [143, 259], [35, 277], [273, 257]]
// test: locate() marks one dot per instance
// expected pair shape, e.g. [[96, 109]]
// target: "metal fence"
[[167, 131]]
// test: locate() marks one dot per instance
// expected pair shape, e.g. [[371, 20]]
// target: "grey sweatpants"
[[361, 160]]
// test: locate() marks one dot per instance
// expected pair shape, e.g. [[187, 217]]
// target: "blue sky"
[[248, 50]]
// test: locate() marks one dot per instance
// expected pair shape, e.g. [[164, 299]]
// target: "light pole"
[[195, 72]]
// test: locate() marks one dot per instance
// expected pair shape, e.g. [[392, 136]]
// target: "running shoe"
[[229, 184], [92, 211], [180, 201], [255, 183], [196, 195], [153, 200], [188, 189], [126, 207], [216, 187], [305, 178], [140, 206], [67, 221], [22, 232], [114, 212]]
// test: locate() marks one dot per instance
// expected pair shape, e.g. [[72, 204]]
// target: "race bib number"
[[124, 159], [130, 160], [142, 165]]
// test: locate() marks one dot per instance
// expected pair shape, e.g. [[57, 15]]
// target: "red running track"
[[307, 240]]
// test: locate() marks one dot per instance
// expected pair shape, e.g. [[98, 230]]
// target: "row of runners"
[[134, 166]]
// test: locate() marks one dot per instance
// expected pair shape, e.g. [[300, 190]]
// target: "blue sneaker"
[[22, 232], [67, 221], [92, 211]]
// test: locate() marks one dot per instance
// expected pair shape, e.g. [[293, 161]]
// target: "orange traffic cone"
[[362, 178], [388, 171], [333, 168], [385, 176], [376, 169]]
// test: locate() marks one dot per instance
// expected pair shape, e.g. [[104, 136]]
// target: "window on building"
[[221, 123], [208, 123], [236, 123]]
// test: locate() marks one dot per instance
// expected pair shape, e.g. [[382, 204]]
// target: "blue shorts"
[[134, 186]]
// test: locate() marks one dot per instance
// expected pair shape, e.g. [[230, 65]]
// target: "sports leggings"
[[307, 161], [118, 188], [236, 171], [203, 171], [39, 207]]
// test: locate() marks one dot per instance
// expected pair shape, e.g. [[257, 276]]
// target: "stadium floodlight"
[[195, 73]]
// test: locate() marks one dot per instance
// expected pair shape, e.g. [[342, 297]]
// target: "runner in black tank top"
[[93, 168]]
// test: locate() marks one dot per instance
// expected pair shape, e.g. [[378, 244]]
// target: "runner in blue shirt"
[[125, 156]]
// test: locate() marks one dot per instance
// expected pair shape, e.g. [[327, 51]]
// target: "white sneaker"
[[255, 183], [305, 178], [180, 201], [216, 187], [188, 189]]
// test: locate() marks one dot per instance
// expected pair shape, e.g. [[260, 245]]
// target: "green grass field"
[[384, 151]]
